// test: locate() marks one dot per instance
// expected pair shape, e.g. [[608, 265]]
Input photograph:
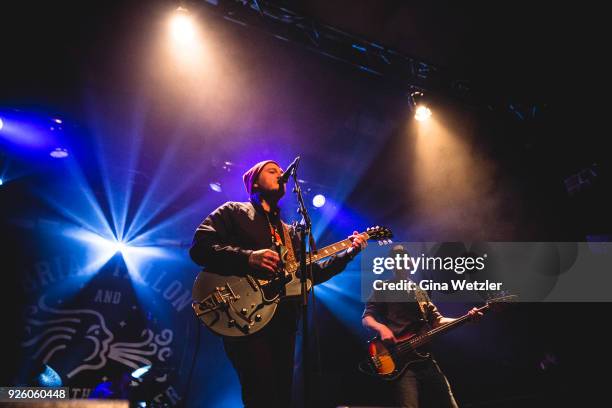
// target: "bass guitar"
[[389, 361]]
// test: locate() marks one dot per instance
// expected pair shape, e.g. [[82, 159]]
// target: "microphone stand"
[[304, 231]]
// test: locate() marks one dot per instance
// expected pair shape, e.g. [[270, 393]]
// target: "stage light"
[[182, 26], [422, 113], [216, 187], [58, 121], [26, 131], [120, 247], [141, 371], [47, 377], [318, 200], [59, 153], [1, 182], [418, 103]]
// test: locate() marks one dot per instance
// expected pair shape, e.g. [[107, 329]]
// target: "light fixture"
[[318, 201], [182, 26], [216, 187], [419, 104], [59, 153]]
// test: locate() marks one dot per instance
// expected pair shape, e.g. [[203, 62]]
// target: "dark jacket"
[[225, 239], [400, 316]]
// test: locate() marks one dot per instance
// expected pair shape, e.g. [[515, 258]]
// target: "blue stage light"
[[318, 200], [26, 131], [48, 377], [120, 247], [216, 187], [101, 248], [59, 153]]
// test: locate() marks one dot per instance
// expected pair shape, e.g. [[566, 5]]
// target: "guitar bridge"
[[220, 298]]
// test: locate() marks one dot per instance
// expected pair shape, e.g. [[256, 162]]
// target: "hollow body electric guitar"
[[389, 361], [237, 306]]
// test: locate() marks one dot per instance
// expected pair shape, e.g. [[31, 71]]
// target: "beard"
[[273, 196]]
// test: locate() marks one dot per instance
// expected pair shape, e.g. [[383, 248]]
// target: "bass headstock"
[[500, 302], [381, 234]]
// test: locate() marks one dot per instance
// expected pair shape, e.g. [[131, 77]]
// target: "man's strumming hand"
[[265, 262]]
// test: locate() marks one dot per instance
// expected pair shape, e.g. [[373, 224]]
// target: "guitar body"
[[387, 362], [237, 306], [231, 306]]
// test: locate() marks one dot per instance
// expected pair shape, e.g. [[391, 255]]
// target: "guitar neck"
[[325, 252], [330, 250], [424, 338]]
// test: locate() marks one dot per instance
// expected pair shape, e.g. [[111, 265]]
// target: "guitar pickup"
[[252, 282]]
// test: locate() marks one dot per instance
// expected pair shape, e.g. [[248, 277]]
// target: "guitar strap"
[[422, 300], [288, 243], [276, 239]]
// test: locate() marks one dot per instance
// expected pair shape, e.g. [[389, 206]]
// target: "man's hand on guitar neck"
[[359, 243], [475, 314], [265, 262]]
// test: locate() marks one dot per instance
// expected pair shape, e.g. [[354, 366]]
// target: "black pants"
[[264, 363], [424, 385]]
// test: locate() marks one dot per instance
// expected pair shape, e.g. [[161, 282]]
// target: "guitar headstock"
[[381, 234]]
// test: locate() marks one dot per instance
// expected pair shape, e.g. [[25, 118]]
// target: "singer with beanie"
[[236, 239]]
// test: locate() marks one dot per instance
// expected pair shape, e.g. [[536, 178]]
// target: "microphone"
[[285, 177]]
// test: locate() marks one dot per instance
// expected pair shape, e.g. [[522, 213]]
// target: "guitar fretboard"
[[325, 252], [417, 341], [424, 338], [331, 250]]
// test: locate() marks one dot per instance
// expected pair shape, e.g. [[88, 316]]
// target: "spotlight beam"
[[171, 221], [119, 194], [78, 215], [146, 210]]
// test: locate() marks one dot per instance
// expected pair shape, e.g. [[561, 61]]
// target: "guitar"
[[237, 306], [390, 361]]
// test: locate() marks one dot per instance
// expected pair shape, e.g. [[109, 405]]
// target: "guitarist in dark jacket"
[[237, 238], [422, 384]]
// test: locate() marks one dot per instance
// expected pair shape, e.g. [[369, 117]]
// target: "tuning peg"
[[380, 243]]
